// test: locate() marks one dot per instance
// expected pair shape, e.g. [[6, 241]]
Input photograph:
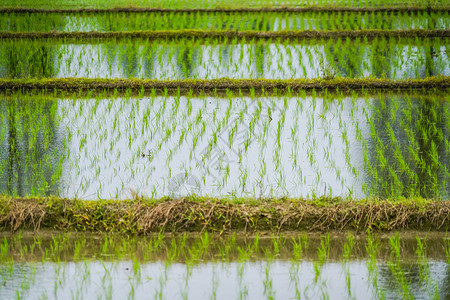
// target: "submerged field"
[[18, 21], [336, 266], [223, 149], [364, 145], [189, 58]]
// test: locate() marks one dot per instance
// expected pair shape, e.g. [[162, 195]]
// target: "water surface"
[[59, 266], [22, 22], [303, 146], [210, 59]]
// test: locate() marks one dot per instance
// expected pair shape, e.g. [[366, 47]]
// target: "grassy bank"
[[207, 86], [231, 34], [219, 215]]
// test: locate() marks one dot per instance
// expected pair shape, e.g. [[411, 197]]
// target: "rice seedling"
[[396, 268], [348, 247], [322, 253], [371, 249], [447, 252], [424, 268]]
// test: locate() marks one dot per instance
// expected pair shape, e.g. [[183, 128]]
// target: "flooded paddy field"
[[307, 186], [387, 145], [216, 20], [52, 265], [210, 59]]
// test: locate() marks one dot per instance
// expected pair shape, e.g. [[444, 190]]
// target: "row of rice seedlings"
[[372, 247], [396, 268], [426, 279], [409, 142], [399, 274], [93, 262], [20, 22], [209, 59], [220, 4], [330, 145], [447, 251]]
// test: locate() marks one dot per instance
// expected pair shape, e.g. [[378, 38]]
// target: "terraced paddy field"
[[209, 58], [307, 145], [72, 20], [217, 150], [54, 266]]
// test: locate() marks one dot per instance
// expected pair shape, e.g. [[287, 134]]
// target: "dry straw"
[[215, 215]]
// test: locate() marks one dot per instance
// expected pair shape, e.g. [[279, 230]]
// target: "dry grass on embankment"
[[215, 215], [230, 34], [197, 86], [283, 9]]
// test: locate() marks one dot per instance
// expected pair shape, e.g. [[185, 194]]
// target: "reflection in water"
[[36, 61], [211, 59], [224, 280], [223, 267], [404, 280], [31, 148], [408, 154], [19, 61], [350, 63], [246, 146]]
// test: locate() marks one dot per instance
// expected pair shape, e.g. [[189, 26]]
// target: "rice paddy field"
[[224, 150]]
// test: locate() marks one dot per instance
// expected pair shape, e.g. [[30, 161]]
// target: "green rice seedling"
[[323, 253], [244, 256], [447, 251], [298, 248], [371, 250], [396, 268], [348, 247], [4, 250], [214, 284], [424, 267], [137, 270], [267, 282]]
